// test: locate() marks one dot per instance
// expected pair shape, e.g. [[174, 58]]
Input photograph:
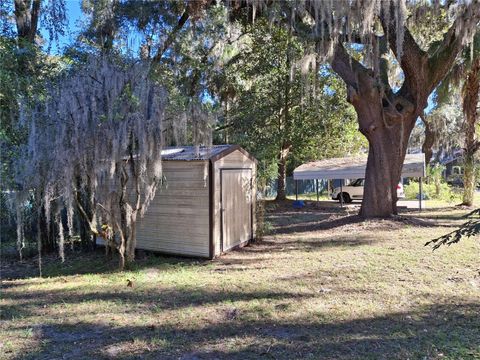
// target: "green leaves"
[[274, 99]]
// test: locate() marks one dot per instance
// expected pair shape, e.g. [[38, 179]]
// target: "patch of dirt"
[[312, 218], [285, 333], [48, 332], [231, 314], [191, 356], [113, 351], [152, 272], [14, 269]]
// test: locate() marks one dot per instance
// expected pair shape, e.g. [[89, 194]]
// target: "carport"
[[354, 168]]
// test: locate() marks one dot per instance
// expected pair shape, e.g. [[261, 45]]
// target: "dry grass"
[[323, 285]]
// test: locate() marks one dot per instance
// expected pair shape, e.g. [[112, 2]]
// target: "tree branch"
[[476, 146], [429, 139], [413, 61], [347, 67], [442, 56], [223, 127], [383, 63], [83, 213], [35, 15], [169, 40], [27, 19], [115, 222]]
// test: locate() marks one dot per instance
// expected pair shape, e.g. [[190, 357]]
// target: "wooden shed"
[[207, 204]]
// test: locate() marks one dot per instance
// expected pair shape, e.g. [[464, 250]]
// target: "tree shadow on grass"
[[79, 263], [270, 246], [25, 304], [441, 330], [82, 263], [298, 225], [440, 213], [285, 220], [312, 220]]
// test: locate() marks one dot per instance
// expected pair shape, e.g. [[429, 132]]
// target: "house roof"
[[190, 153], [452, 156], [354, 168]]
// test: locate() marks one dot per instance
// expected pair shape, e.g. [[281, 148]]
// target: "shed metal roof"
[[354, 168], [188, 153]]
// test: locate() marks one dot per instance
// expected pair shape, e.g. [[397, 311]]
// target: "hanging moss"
[[95, 144]]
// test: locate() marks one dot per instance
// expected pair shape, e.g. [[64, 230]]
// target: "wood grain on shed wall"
[[235, 159], [177, 220], [237, 206]]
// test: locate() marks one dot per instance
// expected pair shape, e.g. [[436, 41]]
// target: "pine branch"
[[468, 229], [171, 36], [223, 127]]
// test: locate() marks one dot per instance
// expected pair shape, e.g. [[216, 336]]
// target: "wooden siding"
[[177, 220], [237, 160]]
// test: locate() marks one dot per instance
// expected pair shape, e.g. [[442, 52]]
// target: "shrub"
[[441, 191], [263, 227]]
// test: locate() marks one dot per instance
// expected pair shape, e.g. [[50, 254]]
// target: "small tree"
[[435, 174], [96, 143], [464, 79], [289, 113]]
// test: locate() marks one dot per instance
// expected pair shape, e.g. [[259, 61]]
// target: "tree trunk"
[[85, 203], [282, 173], [45, 231], [470, 102], [387, 124], [39, 239], [123, 233], [428, 142], [86, 237], [284, 127], [383, 172], [437, 186], [121, 252], [133, 213], [124, 226], [468, 180], [132, 239], [27, 15], [227, 119]]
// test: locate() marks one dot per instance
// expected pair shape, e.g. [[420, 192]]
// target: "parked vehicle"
[[455, 176], [354, 191]]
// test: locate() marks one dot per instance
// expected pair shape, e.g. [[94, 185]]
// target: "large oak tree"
[[386, 115]]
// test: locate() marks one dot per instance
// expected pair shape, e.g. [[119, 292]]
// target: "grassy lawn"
[[322, 285]]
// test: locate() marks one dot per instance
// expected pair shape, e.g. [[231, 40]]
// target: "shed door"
[[236, 205]]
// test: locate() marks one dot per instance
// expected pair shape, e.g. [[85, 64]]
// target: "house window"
[[457, 170]]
